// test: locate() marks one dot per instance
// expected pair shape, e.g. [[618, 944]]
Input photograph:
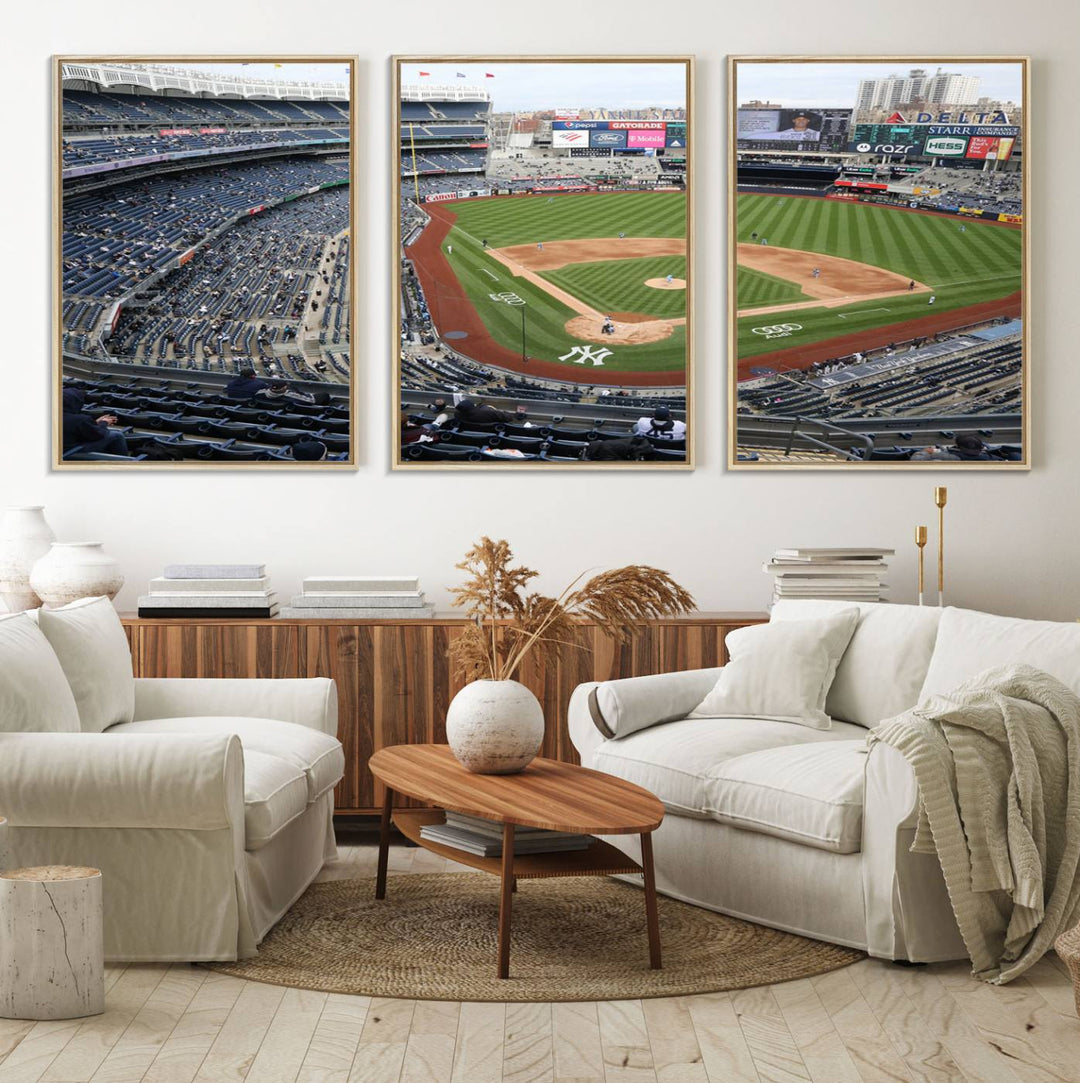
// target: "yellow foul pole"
[[415, 174]]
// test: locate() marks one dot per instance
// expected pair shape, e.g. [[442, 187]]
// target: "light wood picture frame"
[[878, 263], [543, 275], [205, 209]]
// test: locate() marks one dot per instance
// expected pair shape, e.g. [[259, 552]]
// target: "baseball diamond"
[[599, 252]]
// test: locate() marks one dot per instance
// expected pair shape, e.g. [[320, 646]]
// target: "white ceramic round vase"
[[25, 537], [74, 570], [495, 727]]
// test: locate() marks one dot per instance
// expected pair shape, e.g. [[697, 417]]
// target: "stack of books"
[[484, 837], [360, 597], [849, 575], [210, 590]]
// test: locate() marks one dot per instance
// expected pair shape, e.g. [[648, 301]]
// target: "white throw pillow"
[[781, 671], [93, 649], [886, 661], [34, 693]]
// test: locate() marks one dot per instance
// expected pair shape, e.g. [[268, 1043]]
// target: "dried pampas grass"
[[508, 623]]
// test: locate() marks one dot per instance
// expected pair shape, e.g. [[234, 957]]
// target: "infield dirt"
[[840, 282]]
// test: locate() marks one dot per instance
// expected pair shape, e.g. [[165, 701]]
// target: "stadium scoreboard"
[[623, 136], [974, 142], [797, 129]]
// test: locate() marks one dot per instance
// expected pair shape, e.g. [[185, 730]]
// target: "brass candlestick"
[[941, 495], [920, 541]]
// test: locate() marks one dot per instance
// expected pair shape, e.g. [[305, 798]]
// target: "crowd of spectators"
[[995, 191], [247, 291], [91, 150], [84, 109], [118, 237]]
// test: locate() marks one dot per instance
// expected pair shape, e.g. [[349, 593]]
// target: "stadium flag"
[[488, 75], [425, 73], [461, 75], [279, 65]]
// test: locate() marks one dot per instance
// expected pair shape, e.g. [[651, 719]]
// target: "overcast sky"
[[292, 73], [835, 84], [581, 85]]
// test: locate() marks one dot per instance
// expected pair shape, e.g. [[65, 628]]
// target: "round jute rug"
[[434, 937]]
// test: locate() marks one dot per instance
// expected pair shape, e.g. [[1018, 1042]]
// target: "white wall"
[[1013, 544]]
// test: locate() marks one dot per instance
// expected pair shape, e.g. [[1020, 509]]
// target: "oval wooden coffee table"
[[547, 794]]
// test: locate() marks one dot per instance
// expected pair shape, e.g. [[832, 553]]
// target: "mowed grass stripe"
[[756, 289], [619, 285], [528, 220]]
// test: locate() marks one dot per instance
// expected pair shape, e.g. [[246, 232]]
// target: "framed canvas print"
[[878, 263], [204, 279], [543, 293]]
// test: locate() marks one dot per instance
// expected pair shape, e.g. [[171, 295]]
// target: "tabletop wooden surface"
[[547, 794]]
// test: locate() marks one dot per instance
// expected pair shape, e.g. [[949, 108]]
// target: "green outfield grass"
[[759, 288], [982, 263], [619, 285], [614, 284]]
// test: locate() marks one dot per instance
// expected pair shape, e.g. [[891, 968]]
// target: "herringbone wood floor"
[[872, 1021]]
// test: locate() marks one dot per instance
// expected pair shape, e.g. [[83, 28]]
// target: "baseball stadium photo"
[[878, 264], [543, 287], [204, 280]]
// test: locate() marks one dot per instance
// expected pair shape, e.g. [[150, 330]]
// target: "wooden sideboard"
[[394, 683]]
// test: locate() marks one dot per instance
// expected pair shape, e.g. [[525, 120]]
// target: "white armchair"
[[207, 804]]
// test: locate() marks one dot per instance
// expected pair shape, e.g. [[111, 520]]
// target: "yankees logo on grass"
[[580, 354], [777, 330]]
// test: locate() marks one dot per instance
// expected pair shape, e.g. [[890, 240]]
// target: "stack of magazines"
[[360, 597], [849, 575], [484, 837], [210, 590]]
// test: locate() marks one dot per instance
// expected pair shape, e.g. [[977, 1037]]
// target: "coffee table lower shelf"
[[600, 859]]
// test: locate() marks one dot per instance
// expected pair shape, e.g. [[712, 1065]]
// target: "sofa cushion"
[[809, 793], [781, 671], [275, 793], [317, 754], [886, 661], [93, 650], [679, 761], [34, 693], [970, 642]]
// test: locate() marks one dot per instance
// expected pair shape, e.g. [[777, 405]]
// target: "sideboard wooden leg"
[[384, 843], [651, 915], [505, 900]]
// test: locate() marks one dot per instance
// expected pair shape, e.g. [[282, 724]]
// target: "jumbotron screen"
[[781, 128]]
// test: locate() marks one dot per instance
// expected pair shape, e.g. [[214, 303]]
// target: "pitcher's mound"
[[634, 331], [664, 284]]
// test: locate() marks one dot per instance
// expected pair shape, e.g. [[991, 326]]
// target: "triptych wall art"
[[543, 227]]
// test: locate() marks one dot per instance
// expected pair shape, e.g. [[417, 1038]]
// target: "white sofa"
[[804, 829], [207, 804]]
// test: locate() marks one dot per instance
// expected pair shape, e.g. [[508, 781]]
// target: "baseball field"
[[541, 276], [877, 269]]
